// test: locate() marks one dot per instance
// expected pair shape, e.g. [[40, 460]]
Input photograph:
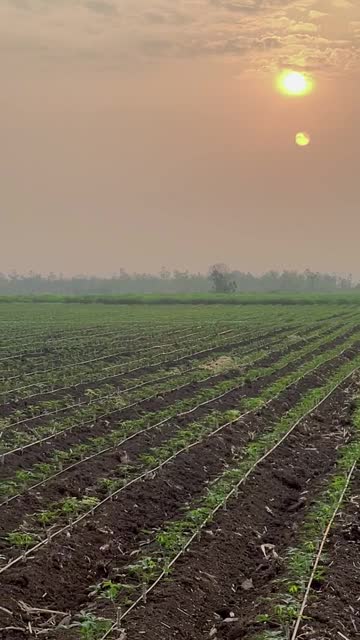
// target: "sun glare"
[[294, 83], [302, 139]]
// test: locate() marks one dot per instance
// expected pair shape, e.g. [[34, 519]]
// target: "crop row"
[[231, 567], [86, 352], [259, 322], [120, 401], [78, 370], [212, 429], [303, 566], [61, 460], [41, 427], [82, 408], [28, 410], [153, 560], [109, 373]]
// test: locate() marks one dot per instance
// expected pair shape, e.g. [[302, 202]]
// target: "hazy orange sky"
[[143, 133]]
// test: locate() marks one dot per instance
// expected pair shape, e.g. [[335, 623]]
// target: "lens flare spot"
[[302, 139], [294, 83]]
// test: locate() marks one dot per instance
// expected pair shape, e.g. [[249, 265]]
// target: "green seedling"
[[21, 539], [91, 627]]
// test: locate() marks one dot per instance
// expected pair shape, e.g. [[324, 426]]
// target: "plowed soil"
[[209, 577], [216, 589]]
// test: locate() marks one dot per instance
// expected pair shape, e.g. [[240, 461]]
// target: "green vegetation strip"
[[184, 439], [255, 452], [147, 360], [303, 561], [54, 407], [74, 379], [18, 441], [342, 298], [176, 536], [24, 479], [127, 362]]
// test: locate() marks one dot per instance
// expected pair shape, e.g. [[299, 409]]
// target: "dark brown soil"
[[210, 576], [76, 392], [84, 476], [81, 432], [119, 381], [165, 362], [335, 608], [207, 583], [50, 350], [128, 352]]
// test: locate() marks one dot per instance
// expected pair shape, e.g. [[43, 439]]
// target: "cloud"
[[304, 27], [102, 7], [239, 5], [262, 33], [170, 17], [21, 4], [342, 4], [317, 15], [270, 42], [254, 6]]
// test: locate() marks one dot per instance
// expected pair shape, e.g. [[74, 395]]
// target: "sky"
[[149, 133]]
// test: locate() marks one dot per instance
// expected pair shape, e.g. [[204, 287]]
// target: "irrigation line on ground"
[[149, 472], [60, 332], [47, 341], [56, 369], [44, 342], [223, 503], [25, 336], [20, 449], [69, 365], [122, 442], [124, 373], [73, 386], [50, 338], [119, 409], [91, 380], [150, 365], [154, 426], [19, 354], [73, 364], [88, 402], [319, 553]]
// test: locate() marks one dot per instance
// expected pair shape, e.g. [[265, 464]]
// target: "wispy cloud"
[[263, 33], [103, 7], [239, 5]]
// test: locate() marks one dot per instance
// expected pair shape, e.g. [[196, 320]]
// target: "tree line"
[[219, 279]]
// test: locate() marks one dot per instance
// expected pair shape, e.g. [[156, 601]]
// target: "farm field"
[[179, 471]]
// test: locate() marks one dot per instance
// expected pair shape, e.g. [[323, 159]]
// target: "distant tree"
[[221, 280]]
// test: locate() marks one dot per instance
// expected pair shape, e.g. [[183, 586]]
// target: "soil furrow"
[[137, 370], [211, 580], [77, 389], [148, 336], [144, 505], [334, 606], [99, 426], [122, 357]]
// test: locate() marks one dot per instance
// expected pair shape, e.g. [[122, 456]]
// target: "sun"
[[302, 139], [294, 83]]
